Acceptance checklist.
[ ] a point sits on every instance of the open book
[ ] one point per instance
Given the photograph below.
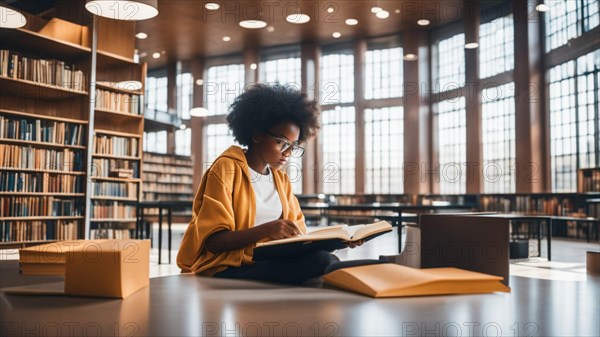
(393, 280)
(328, 238)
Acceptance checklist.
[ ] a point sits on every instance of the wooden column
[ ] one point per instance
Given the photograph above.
(197, 123)
(310, 55)
(417, 138)
(360, 49)
(171, 103)
(472, 93)
(529, 113)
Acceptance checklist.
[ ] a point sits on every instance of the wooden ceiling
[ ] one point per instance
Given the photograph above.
(184, 29)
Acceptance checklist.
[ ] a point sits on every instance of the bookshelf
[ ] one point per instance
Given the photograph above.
(70, 138)
(168, 177)
(588, 180)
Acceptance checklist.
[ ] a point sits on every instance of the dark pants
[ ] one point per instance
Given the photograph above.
(291, 271)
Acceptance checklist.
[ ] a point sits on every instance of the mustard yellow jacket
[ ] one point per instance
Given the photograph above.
(226, 201)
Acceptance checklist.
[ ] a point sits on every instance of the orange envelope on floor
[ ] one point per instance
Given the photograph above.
(99, 268)
(394, 280)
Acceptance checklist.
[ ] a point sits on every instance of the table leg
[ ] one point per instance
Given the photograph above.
(400, 232)
(169, 216)
(549, 244)
(160, 216)
(539, 238)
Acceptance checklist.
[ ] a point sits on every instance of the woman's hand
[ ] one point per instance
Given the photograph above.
(354, 244)
(279, 229)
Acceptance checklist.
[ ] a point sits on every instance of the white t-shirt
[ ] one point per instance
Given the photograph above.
(268, 204)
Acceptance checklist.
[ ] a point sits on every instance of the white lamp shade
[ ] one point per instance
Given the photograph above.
(129, 85)
(199, 112)
(10, 18)
(123, 9)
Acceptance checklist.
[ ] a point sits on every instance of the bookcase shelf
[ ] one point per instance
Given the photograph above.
(168, 178)
(30, 106)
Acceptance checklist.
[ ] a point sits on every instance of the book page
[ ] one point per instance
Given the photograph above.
(359, 232)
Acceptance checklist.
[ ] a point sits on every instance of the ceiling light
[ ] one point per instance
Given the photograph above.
(297, 18)
(330, 10)
(156, 55)
(270, 29)
(199, 81)
(211, 6)
(10, 18)
(351, 22)
(141, 35)
(423, 22)
(542, 8)
(397, 11)
(471, 45)
(376, 9)
(253, 66)
(182, 127)
(336, 35)
(199, 112)
(382, 14)
(123, 9)
(129, 85)
(410, 57)
(226, 38)
(253, 24)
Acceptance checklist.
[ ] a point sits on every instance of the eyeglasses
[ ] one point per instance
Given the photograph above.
(284, 145)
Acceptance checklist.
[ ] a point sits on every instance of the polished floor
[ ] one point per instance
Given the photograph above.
(554, 298)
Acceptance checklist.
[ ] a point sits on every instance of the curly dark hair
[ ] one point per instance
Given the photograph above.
(262, 106)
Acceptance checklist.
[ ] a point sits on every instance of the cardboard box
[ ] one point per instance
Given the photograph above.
(97, 268)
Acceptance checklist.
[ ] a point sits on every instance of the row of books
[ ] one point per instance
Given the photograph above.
(42, 131)
(39, 206)
(40, 182)
(168, 179)
(527, 204)
(149, 196)
(109, 233)
(52, 72)
(168, 160)
(590, 182)
(107, 167)
(38, 230)
(159, 168)
(28, 157)
(116, 146)
(594, 210)
(115, 101)
(163, 188)
(115, 189)
(113, 210)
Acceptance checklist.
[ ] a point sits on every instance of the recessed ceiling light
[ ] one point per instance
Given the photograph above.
(376, 9)
(156, 55)
(270, 29)
(382, 14)
(423, 22)
(330, 10)
(297, 18)
(10, 18)
(141, 35)
(471, 45)
(199, 81)
(410, 57)
(211, 6)
(226, 38)
(182, 127)
(336, 35)
(397, 11)
(542, 8)
(199, 112)
(253, 24)
(253, 66)
(351, 22)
